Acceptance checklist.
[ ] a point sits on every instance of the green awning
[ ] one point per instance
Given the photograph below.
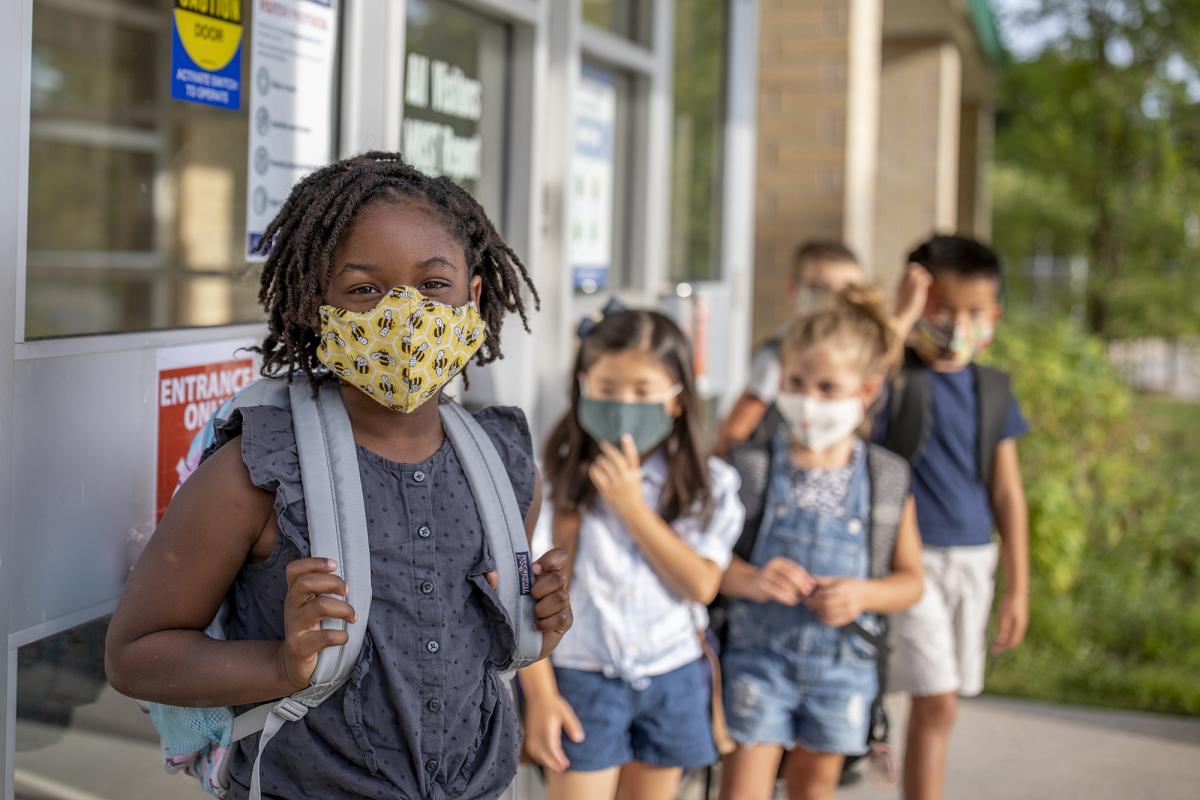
(983, 19)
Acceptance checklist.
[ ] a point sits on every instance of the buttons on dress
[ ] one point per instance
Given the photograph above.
(426, 587)
(424, 532)
(419, 476)
(431, 765)
(434, 705)
(432, 646)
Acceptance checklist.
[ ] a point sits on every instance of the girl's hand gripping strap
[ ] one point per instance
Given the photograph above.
(337, 529)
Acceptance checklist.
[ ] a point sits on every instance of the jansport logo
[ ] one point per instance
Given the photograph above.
(523, 573)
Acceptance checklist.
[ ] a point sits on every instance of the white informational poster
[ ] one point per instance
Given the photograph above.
(292, 51)
(592, 174)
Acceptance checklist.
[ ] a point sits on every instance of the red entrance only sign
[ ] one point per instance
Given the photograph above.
(187, 397)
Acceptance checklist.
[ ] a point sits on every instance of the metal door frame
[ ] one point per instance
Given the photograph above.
(362, 108)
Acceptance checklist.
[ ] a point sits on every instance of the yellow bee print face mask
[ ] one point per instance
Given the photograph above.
(402, 351)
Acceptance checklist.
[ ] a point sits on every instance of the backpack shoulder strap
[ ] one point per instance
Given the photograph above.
(262, 392)
(502, 524)
(910, 414)
(993, 388)
(337, 529)
(889, 476)
(336, 513)
(752, 460)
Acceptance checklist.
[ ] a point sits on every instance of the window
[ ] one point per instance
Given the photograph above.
(75, 736)
(600, 187)
(627, 18)
(697, 152)
(136, 201)
(456, 86)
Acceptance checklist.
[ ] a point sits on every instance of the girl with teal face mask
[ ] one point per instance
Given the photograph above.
(650, 522)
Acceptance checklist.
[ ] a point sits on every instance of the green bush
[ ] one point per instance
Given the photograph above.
(1114, 549)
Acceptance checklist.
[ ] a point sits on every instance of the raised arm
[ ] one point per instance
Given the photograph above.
(743, 418)
(617, 477)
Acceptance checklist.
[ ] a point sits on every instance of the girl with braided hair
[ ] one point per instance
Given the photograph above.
(381, 284)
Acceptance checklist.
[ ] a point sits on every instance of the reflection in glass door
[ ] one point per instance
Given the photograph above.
(136, 201)
(76, 738)
(456, 89)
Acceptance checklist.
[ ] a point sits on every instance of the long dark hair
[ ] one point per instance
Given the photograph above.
(570, 450)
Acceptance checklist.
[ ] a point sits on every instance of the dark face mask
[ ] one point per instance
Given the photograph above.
(607, 420)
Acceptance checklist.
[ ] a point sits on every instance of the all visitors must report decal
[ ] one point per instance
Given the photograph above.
(206, 52)
(192, 383)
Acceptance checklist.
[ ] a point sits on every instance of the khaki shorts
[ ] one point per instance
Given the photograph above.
(939, 646)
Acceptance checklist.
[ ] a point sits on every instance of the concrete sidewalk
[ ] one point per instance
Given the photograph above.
(1018, 750)
(1003, 749)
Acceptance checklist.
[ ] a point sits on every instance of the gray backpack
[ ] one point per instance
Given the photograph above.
(337, 529)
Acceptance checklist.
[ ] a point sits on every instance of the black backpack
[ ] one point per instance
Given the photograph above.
(910, 412)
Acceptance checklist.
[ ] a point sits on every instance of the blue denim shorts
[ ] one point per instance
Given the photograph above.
(820, 703)
(666, 724)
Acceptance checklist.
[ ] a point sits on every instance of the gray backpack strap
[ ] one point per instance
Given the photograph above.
(263, 392)
(889, 475)
(752, 460)
(337, 529)
(502, 524)
(336, 515)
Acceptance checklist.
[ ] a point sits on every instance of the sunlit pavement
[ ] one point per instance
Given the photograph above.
(1016, 749)
(1006, 749)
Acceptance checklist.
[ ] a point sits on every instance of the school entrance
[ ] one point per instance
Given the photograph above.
(146, 145)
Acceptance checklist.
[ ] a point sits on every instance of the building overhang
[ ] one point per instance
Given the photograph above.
(969, 25)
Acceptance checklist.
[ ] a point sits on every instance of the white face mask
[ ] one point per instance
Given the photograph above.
(818, 423)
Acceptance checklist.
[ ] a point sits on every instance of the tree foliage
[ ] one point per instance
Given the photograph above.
(1097, 156)
(1114, 549)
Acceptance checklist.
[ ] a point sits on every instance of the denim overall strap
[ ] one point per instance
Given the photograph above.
(775, 492)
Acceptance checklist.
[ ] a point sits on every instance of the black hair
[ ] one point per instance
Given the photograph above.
(960, 255)
(570, 450)
(301, 241)
(817, 250)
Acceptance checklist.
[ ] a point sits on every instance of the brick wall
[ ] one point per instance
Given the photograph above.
(917, 178)
(802, 99)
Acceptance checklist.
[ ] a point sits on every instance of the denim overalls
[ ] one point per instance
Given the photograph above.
(790, 679)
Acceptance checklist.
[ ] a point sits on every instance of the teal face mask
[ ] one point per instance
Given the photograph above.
(607, 420)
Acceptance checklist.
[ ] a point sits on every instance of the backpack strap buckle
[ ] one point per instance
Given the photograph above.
(290, 710)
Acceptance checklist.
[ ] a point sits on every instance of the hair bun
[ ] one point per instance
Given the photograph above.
(857, 311)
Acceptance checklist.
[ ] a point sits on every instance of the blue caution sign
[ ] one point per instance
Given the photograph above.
(206, 52)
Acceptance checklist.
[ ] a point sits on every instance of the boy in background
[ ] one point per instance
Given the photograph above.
(957, 423)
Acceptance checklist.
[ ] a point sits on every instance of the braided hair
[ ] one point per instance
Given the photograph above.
(301, 241)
